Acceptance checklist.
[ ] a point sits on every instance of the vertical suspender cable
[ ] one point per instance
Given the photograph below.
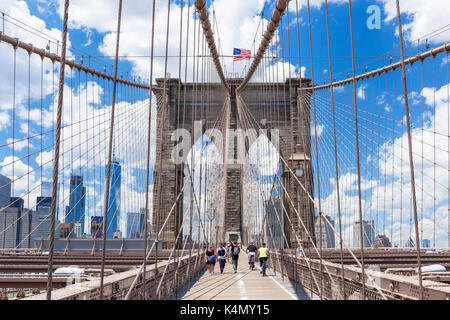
(56, 156)
(111, 137)
(314, 107)
(411, 161)
(335, 153)
(362, 230)
(147, 190)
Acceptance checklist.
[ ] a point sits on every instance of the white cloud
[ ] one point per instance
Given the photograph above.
(423, 17)
(314, 4)
(233, 28)
(362, 91)
(320, 128)
(18, 144)
(388, 199)
(19, 10)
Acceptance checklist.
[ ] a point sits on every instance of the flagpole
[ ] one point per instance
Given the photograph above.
(233, 69)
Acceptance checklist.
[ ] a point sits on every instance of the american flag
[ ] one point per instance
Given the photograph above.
(241, 54)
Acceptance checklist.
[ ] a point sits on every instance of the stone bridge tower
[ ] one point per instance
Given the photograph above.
(190, 102)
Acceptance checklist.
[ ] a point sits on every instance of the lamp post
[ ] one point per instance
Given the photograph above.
(211, 217)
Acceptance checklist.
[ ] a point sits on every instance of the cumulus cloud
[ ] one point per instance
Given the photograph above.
(24, 64)
(136, 30)
(422, 18)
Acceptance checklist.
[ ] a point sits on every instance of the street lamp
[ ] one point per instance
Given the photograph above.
(211, 217)
(299, 161)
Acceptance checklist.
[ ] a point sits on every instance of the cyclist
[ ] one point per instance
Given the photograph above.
(251, 251)
(263, 254)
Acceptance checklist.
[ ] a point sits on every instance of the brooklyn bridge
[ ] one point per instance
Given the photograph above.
(118, 173)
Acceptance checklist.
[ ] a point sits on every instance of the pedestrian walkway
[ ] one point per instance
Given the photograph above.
(244, 285)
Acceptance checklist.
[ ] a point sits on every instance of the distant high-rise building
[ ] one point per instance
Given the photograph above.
(273, 228)
(5, 191)
(368, 232)
(43, 209)
(46, 189)
(135, 225)
(67, 230)
(382, 241)
(18, 226)
(78, 230)
(426, 243)
(328, 239)
(97, 227)
(75, 211)
(43, 202)
(114, 198)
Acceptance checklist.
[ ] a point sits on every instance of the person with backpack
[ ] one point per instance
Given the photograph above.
(235, 250)
(210, 258)
(222, 255)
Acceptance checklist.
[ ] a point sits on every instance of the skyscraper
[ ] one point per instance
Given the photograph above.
(43, 209)
(426, 243)
(75, 211)
(97, 227)
(18, 226)
(368, 232)
(114, 198)
(134, 225)
(328, 239)
(46, 189)
(5, 191)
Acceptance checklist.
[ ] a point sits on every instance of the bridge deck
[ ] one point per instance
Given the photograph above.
(244, 285)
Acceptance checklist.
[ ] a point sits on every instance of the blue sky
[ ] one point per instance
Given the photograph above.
(92, 33)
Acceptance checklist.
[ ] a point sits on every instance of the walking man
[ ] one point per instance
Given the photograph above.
(235, 250)
(222, 255)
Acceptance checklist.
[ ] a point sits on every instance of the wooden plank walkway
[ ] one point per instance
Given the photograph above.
(244, 285)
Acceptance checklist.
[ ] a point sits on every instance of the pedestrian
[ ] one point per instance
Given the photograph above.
(222, 255)
(235, 250)
(210, 258)
(228, 247)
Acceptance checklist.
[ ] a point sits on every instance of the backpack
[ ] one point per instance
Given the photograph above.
(236, 250)
(211, 257)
